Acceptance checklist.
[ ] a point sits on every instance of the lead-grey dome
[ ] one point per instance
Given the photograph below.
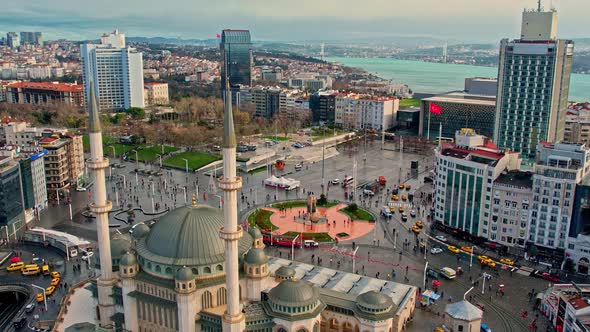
(120, 244)
(293, 293)
(184, 274)
(128, 259)
(285, 273)
(140, 231)
(189, 236)
(255, 233)
(256, 256)
(374, 301)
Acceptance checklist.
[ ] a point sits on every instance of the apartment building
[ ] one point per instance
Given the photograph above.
(567, 307)
(75, 156)
(577, 123)
(465, 174)
(57, 170)
(512, 195)
(12, 216)
(559, 168)
(156, 93)
(43, 93)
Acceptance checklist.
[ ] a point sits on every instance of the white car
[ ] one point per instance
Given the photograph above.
(441, 238)
(310, 244)
(386, 211)
(368, 192)
(435, 250)
(413, 213)
(335, 181)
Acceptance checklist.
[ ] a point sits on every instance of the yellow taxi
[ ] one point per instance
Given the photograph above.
(395, 197)
(419, 223)
(415, 229)
(454, 249)
(402, 186)
(49, 290)
(55, 274)
(15, 266)
(401, 209)
(54, 282)
(507, 261)
(467, 249)
(404, 198)
(490, 263)
(482, 258)
(39, 297)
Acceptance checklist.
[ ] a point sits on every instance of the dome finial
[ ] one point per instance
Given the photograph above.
(194, 200)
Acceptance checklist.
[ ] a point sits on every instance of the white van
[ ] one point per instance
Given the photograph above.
(310, 243)
(448, 273)
(348, 181)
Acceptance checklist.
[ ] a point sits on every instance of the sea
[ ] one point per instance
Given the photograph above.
(432, 77)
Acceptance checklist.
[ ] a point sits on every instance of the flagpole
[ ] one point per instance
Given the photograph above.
(439, 135)
(428, 133)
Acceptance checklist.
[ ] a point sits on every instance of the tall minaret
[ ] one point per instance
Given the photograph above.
(233, 319)
(100, 206)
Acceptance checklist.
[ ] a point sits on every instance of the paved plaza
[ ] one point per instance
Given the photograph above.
(333, 222)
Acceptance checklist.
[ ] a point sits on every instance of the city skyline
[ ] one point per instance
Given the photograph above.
(328, 20)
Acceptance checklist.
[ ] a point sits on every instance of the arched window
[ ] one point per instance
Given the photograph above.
(149, 265)
(302, 330)
(195, 271)
(221, 296)
(334, 324)
(168, 270)
(207, 269)
(207, 300)
(315, 327)
(124, 270)
(158, 268)
(219, 267)
(281, 330)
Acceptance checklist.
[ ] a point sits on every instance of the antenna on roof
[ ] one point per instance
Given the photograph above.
(539, 5)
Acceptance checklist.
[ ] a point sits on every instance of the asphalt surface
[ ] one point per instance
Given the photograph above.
(378, 253)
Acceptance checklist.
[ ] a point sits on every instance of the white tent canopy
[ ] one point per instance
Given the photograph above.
(282, 183)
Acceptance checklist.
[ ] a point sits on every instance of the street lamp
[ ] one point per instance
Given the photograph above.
(114, 153)
(124, 181)
(293, 247)
(425, 244)
(471, 257)
(136, 159)
(160, 156)
(186, 165)
(425, 268)
(44, 297)
(394, 240)
(483, 284)
(353, 258)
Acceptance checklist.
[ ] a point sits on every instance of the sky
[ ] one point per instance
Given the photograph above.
(288, 20)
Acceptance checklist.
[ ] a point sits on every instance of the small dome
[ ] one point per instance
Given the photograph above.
(285, 273)
(374, 300)
(255, 233)
(140, 231)
(184, 274)
(256, 256)
(128, 259)
(120, 244)
(292, 293)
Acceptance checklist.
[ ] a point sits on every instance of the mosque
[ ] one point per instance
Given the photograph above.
(196, 269)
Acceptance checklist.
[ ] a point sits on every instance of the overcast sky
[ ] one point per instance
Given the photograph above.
(281, 20)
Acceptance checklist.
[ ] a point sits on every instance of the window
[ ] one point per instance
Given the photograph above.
(460, 328)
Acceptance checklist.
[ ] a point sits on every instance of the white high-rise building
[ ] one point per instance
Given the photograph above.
(117, 71)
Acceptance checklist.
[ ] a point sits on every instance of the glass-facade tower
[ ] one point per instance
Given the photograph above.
(236, 53)
(11, 203)
(533, 86)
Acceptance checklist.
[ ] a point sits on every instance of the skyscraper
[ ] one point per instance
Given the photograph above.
(31, 38)
(12, 40)
(236, 52)
(533, 85)
(117, 72)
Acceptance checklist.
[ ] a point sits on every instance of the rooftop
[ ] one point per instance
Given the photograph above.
(516, 178)
(53, 86)
(463, 98)
(481, 155)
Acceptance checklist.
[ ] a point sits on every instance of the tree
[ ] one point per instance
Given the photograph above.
(136, 112)
(533, 251)
(322, 200)
(352, 207)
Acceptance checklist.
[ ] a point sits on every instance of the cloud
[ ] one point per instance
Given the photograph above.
(285, 19)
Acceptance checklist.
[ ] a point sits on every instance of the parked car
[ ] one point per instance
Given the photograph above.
(507, 261)
(368, 192)
(436, 250)
(467, 249)
(310, 243)
(413, 213)
(20, 323)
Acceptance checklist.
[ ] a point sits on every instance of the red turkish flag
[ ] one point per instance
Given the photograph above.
(218, 36)
(435, 109)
